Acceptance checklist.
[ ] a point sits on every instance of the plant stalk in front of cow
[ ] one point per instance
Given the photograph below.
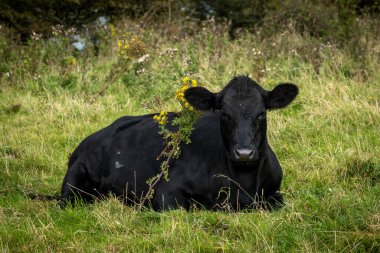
(185, 121)
(170, 151)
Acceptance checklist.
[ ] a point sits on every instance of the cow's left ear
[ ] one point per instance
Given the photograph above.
(201, 98)
(281, 96)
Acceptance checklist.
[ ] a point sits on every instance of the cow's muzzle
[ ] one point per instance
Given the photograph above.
(244, 154)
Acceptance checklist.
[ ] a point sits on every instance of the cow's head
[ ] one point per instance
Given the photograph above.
(243, 105)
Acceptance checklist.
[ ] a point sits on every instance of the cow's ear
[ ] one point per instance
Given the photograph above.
(281, 96)
(202, 99)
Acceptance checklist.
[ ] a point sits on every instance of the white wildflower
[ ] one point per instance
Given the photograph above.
(143, 58)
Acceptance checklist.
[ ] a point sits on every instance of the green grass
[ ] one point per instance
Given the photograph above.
(327, 142)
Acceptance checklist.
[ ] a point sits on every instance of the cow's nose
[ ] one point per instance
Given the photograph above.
(244, 154)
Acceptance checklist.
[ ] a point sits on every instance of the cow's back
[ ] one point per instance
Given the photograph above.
(123, 156)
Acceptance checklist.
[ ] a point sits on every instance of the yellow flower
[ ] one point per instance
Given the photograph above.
(130, 47)
(161, 119)
(187, 83)
(73, 61)
(70, 60)
(188, 106)
(185, 80)
(112, 29)
(179, 95)
(184, 88)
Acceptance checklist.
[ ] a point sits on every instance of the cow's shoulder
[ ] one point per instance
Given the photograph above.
(206, 149)
(206, 133)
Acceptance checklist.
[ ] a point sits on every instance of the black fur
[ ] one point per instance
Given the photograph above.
(228, 164)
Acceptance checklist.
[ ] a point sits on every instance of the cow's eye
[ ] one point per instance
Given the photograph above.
(261, 116)
(256, 123)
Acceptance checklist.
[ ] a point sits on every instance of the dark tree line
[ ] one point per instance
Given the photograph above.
(27, 16)
(39, 16)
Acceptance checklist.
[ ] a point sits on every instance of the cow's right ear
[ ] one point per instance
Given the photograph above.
(281, 96)
(202, 99)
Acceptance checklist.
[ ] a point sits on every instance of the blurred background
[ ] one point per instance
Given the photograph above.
(330, 20)
(67, 33)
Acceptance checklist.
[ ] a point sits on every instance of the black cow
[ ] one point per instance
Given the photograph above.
(228, 164)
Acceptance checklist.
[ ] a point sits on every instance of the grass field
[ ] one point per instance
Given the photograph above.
(327, 142)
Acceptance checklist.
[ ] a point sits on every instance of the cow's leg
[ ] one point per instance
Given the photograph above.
(274, 201)
(170, 200)
(76, 185)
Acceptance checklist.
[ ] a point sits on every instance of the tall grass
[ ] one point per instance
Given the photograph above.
(327, 141)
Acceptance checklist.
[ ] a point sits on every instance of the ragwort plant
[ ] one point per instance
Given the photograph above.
(129, 48)
(184, 121)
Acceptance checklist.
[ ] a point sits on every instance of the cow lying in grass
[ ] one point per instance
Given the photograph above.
(228, 164)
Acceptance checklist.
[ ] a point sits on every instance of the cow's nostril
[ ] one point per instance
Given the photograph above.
(244, 154)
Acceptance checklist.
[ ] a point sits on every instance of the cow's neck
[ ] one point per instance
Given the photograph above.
(249, 174)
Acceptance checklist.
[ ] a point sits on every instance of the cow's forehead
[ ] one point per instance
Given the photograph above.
(248, 104)
(242, 97)
(242, 87)
(242, 94)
